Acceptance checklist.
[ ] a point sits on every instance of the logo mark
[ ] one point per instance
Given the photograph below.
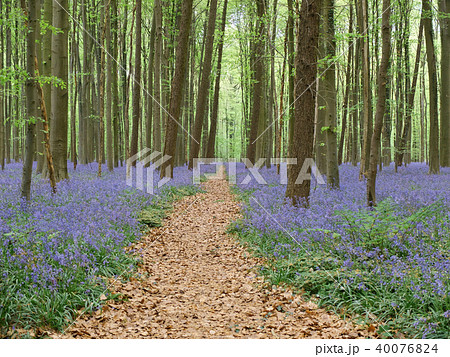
(145, 170)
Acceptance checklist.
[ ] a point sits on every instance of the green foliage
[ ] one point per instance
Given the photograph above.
(45, 26)
(55, 309)
(153, 215)
(52, 80)
(374, 228)
(16, 76)
(318, 270)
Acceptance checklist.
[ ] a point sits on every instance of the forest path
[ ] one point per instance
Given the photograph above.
(196, 281)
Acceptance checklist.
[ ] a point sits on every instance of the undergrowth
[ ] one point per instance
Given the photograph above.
(388, 266)
(49, 275)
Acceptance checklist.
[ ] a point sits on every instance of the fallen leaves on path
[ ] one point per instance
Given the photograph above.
(196, 281)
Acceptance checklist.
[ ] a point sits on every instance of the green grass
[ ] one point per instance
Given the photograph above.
(318, 272)
(21, 316)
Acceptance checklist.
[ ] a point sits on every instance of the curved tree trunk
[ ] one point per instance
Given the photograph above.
(381, 103)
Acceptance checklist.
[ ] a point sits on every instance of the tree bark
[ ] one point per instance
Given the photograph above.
(291, 59)
(444, 8)
(115, 85)
(203, 89)
(73, 117)
(31, 16)
(109, 92)
(367, 92)
(348, 73)
(157, 77)
(381, 103)
(149, 92)
(137, 84)
(58, 135)
(46, 132)
(8, 97)
(410, 103)
(85, 112)
(329, 85)
(2, 118)
(210, 152)
(177, 87)
(258, 48)
(355, 101)
(433, 90)
(306, 76)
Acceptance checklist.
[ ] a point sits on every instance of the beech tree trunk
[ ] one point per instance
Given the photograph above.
(31, 15)
(157, 77)
(115, 86)
(2, 118)
(381, 103)
(203, 89)
(410, 103)
(367, 92)
(59, 101)
(176, 94)
(149, 86)
(109, 93)
(329, 85)
(348, 78)
(258, 48)
(291, 60)
(306, 76)
(444, 8)
(433, 90)
(210, 151)
(137, 84)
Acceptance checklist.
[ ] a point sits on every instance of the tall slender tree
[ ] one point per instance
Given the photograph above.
(306, 76)
(258, 49)
(433, 89)
(31, 13)
(205, 82)
(2, 116)
(381, 102)
(444, 8)
(109, 92)
(177, 87)
(329, 84)
(157, 77)
(410, 103)
(348, 73)
(59, 94)
(137, 83)
(367, 91)
(215, 110)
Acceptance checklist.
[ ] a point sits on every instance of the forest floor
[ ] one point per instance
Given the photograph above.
(198, 281)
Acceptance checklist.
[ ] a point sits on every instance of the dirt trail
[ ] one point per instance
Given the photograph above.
(198, 282)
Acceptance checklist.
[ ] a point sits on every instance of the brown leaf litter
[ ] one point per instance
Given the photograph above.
(196, 281)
